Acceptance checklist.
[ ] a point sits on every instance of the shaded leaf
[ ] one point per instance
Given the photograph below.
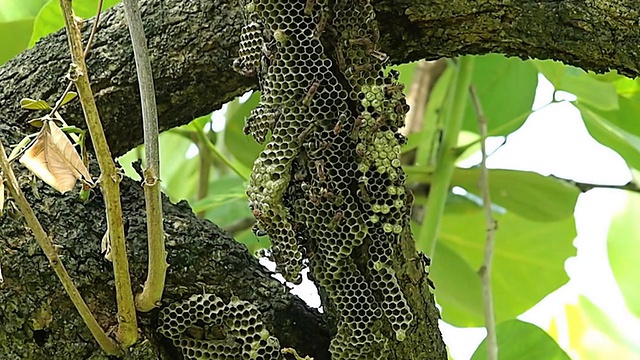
(221, 197)
(623, 249)
(522, 341)
(528, 263)
(32, 104)
(53, 159)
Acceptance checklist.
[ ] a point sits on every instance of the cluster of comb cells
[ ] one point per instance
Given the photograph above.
(204, 327)
(328, 188)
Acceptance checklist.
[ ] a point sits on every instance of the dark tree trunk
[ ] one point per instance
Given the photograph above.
(193, 45)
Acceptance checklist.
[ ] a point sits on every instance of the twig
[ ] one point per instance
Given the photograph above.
(49, 249)
(240, 225)
(94, 29)
(485, 269)
(217, 154)
(453, 115)
(151, 294)
(109, 182)
(204, 157)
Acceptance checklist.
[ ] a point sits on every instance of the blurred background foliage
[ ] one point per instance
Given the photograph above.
(208, 161)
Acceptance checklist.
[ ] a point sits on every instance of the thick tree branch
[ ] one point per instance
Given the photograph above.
(38, 321)
(193, 44)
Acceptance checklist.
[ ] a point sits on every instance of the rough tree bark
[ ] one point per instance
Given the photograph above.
(192, 45)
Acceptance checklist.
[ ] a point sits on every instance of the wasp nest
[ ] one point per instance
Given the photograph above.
(205, 327)
(328, 186)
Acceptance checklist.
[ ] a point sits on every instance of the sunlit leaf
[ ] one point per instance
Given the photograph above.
(528, 263)
(53, 159)
(178, 173)
(593, 335)
(32, 104)
(506, 89)
(522, 341)
(68, 97)
(612, 135)
(623, 249)
(528, 194)
(1, 195)
(589, 89)
(458, 288)
(50, 19)
(242, 146)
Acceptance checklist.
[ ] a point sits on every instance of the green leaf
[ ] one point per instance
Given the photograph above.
(11, 46)
(32, 104)
(528, 263)
(16, 18)
(528, 194)
(11, 10)
(458, 288)
(506, 88)
(222, 195)
(50, 20)
(623, 248)
(607, 326)
(178, 174)
(522, 341)
(589, 89)
(609, 134)
(243, 147)
(68, 97)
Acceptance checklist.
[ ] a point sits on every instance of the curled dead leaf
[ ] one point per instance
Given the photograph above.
(53, 158)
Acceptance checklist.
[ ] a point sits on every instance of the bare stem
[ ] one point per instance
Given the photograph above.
(94, 29)
(485, 269)
(109, 181)
(105, 342)
(454, 107)
(151, 294)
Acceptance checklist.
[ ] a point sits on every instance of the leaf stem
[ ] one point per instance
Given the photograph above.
(153, 288)
(215, 152)
(492, 225)
(453, 113)
(49, 249)
(109, 181)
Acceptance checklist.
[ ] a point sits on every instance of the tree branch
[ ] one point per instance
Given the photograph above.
(193, 45)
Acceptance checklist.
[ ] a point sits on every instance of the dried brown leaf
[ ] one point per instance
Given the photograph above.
(53, 159)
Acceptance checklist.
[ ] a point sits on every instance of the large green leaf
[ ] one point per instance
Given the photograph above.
(518, 340)
(528, 263)
(243, 147)
(607, 326)
(612, 135)
(623, 248)
(50, 18)
(16, 18)
(589, 89)
(458, 288)
(20, 31)
(528, 194)
(506, 88)
(178, 174)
